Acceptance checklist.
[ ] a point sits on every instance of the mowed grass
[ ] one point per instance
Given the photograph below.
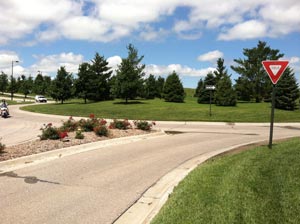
(255, 186)
(159, 110)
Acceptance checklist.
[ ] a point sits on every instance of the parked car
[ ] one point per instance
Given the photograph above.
(40, 99)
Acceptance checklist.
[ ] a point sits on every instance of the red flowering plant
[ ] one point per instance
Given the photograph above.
(70, 125)
(62, 134)
(49, 132)
(102, 122)
(101, 130)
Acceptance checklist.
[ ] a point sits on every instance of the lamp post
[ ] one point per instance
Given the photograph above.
(12, 77)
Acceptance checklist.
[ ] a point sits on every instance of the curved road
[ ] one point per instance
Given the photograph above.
(97, 186)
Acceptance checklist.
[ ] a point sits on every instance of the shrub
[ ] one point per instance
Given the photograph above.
(101, 130)
(79, 135)
(88, 124)
(118, 124)
(69, 125)
(144, 125)
(49, 132)
(2, 147)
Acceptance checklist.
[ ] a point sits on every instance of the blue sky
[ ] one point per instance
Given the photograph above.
(183, 35)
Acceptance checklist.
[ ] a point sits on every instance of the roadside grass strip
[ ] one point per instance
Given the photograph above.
(255, 186)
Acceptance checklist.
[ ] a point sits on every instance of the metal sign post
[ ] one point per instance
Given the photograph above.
(210, 88)
(274, 69)
(272, 117)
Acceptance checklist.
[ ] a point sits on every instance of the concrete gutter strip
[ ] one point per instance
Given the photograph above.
(148, 206)
(31, 160)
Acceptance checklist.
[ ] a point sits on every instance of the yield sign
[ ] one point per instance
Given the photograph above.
(275, 69)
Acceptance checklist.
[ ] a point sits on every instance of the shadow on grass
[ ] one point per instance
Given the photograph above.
(129, 103)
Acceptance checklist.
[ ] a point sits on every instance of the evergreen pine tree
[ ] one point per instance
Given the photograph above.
(204, 94)
(150, 87)
(99, 74)
(220, 71)
(199, 88)
(129, 75)
(287, 91)
(84, 82)
(160, 82)
(62, 85)
(39, 87)
(225, 94)
(173, 89)
(255, 83)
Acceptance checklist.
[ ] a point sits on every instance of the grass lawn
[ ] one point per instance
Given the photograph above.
(255, 186)
(160, 110)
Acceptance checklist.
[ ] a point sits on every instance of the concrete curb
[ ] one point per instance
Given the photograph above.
(34, 159)
(150, 203)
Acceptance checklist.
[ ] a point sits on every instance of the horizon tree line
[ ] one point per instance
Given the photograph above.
(95, 81)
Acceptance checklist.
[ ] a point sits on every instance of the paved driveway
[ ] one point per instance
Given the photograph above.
(23, 126)
(97, 186)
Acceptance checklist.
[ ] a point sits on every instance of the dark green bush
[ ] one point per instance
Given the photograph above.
(88, 124)
(101, 130)
(118, 124)
(49, 132)
(69, 125)
(2, 147)
(79, 135)
(144, 125)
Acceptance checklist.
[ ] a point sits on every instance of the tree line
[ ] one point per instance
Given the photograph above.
(253, 83)
(95, 81)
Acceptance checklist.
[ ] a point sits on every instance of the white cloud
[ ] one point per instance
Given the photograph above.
(187, 30)
(211, 56)
(21, 18)
(49, 65)
(247, 30)
(150, 34)
(295, 65)
(294, 60)
(113, 62)
(179, 69)
(108, 20)
(6, 58)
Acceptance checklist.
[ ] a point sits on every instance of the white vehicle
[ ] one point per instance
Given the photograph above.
(40, 99)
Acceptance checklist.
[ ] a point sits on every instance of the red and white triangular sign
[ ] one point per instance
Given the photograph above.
(275, 69)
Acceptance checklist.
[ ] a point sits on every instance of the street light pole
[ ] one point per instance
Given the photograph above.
(12, 77)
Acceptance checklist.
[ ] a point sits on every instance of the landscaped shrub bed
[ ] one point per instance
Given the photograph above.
(91, 124)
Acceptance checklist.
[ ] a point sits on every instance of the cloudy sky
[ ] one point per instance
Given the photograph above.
(182, 35)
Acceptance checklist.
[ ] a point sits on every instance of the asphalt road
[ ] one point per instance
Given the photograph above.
(97, 186)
